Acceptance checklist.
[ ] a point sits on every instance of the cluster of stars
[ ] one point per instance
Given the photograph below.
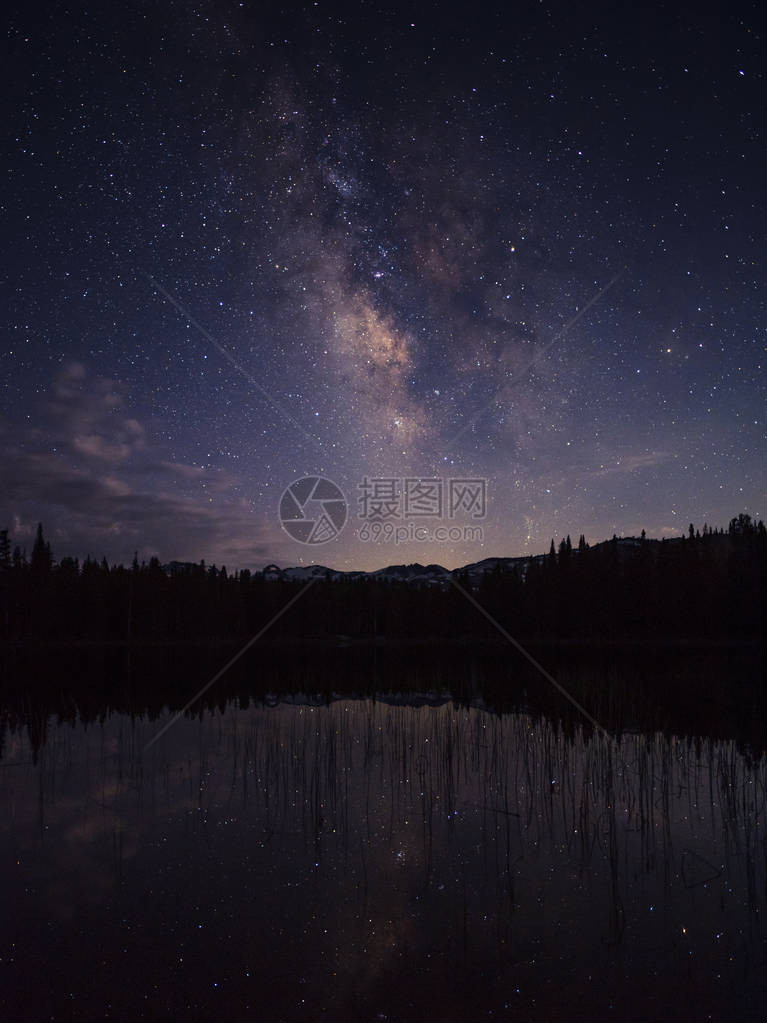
(388, 259)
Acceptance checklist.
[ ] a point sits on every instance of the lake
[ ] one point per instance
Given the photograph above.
(379, 856)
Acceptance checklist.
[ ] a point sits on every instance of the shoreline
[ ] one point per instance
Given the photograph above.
(393, 642)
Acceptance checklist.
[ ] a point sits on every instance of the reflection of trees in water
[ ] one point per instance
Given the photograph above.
(407, 783)
(688, 692)
(527, 789)
(496, 829)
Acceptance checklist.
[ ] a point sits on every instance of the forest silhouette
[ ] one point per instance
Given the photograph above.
(707, 586)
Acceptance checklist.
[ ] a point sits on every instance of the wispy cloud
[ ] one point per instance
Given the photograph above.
(88, 417)
(621, 464)
(95, 496)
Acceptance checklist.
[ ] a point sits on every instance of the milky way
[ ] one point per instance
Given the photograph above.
(523, 244)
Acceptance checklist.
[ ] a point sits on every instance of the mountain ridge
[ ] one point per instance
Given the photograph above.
(435, 574)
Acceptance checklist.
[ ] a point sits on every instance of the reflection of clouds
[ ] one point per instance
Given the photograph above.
(331, 842)
(88, 837)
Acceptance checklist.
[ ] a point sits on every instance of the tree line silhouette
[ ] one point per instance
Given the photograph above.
(703, 586)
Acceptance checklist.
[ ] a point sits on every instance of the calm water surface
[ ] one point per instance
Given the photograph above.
(374, 860)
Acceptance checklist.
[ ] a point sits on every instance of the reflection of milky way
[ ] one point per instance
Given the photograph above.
(372, 858)
(385, 231)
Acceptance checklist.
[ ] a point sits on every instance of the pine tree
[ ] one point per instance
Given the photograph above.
(5, 551)
(42, 559)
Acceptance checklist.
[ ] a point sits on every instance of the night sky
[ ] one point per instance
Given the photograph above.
(382, 226)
